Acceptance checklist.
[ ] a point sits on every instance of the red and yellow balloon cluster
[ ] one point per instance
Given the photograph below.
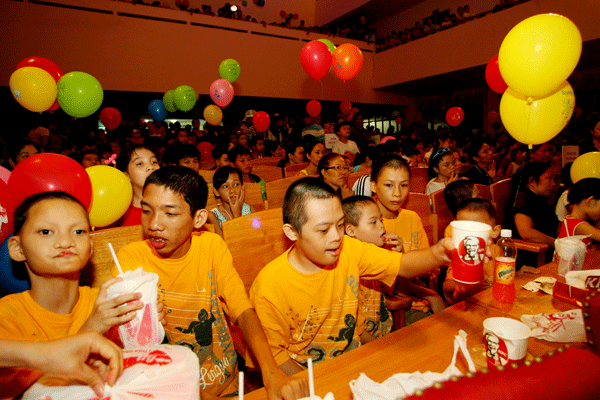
(38, 84)
(319, 56)
(535, 59)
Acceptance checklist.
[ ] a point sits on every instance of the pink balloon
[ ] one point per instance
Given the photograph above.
(221, 92)
(4, 174)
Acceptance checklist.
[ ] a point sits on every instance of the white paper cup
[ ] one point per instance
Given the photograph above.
(571, 254)
(470, 240)
(144, 329)
(506, 340)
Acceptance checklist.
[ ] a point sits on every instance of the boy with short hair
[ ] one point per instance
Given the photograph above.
(478, 210)
(198, 284)
(344, 146)
(307, 298)
(240, 158)
(188, 156)
(219, 154)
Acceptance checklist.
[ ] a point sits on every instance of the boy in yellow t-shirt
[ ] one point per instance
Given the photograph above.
(307, 298)
(478, 210)
(198, 284)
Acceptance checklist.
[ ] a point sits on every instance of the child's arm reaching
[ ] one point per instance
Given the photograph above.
(435, 300)
(109, 313)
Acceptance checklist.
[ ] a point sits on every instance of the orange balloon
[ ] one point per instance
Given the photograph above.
(347, 61)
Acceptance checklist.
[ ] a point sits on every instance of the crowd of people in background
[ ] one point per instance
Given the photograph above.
(355, 27)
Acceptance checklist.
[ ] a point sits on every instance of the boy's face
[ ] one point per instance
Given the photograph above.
(344, 131)
(222, 161)
(370, 227)
(320, 241)
(243, 140)
(260, 145)
(143, 162)
(167, 221)
(242, 162)
(89, 160)
(190, 162)
(55, 239)
(479, 216)
(392, 189)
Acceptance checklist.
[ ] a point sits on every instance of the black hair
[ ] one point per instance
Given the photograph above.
(478, 204)
(124, 156)
(238, 151)
(253, 140)
(222, 175)
(309, 145)
(187, 151)
(353, 207)
(325, 161)
(388, 161)
(21, 212)
(583, 189)
(183, 181)
(291, 148)
(456, 192)
(296, 196)
(592, 120)
(533, 169)
(435, 160)
(475, 146)
(217, 152)
(14, 148)
(83, 153)
(338, 126)
(513, 152)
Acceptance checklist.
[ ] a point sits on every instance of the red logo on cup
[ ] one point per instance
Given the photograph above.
(496, 351)
(155, 357)
(471, 250)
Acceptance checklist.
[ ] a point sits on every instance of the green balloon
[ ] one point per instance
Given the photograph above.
(185, 98)
(79, 94)
(229, 70)
(329, 44)
(169, 101)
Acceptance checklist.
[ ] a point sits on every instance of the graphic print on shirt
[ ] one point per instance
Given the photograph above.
(205, 332)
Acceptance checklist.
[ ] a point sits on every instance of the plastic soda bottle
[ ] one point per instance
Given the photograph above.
(504, 273)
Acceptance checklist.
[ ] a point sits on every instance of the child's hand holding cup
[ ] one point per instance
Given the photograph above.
(470, 240)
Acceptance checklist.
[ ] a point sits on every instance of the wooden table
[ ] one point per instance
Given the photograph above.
(428, 344)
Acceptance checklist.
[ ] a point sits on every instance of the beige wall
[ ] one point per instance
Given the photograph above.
(132, 54)
(473, 43)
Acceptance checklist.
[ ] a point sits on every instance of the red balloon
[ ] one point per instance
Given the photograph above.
(315, 58)
(205, 149)
(296, 16)
(283, 14)
(454, 116)
(347, 61)
(221, 92)
(398, 120)
(353, 110)
(110, 118)
(261, 121)
(345, 107)
(48, 172)
(313, 108)
(7, 208)
(493, 77)
(493, 116)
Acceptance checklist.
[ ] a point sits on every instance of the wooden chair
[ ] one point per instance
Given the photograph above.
(465, 167)
(484, 191)
(500, 194)
(255, 240)
(269, 161)
(353, 177)
(268, 173)
(276, 191)
(440, 208)
(419, 203)
(398, 304)
(418, 179)
(207, 174)
(98, 269)
(293, 170)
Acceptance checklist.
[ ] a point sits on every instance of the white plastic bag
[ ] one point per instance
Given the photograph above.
(162, 372)
(144, 329)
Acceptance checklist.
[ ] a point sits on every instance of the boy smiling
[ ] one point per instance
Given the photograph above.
(307, 298)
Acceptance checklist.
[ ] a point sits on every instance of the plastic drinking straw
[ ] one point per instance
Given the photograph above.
(114, 256)
(241, 385)
(311, 383)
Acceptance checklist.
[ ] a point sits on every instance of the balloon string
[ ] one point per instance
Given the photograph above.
(321, 89)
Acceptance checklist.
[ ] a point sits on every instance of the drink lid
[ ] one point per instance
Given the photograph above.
(506, 233)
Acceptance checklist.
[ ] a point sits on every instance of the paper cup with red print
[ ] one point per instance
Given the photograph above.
(144, 329)
(470, 239)
(506, 341)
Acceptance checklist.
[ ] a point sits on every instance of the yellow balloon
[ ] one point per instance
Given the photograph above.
(536, 120)
(539, 53)
(33, 88)
(213, 114)
(586, 166)
(111, 194)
